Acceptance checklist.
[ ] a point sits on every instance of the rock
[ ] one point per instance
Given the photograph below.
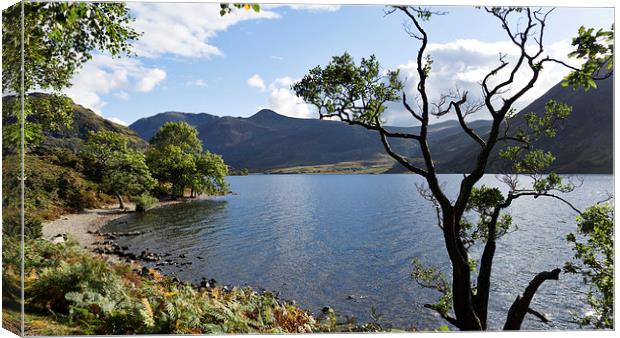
(199, 257)
(326, 309)
(60, 238)
(124, 248)
(182, 256)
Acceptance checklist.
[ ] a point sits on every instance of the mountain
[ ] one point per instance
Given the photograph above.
(584, 141)
(268, 141)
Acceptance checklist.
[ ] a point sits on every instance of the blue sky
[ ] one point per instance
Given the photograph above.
(192, 60)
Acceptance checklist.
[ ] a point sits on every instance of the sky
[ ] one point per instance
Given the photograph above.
(190, 59)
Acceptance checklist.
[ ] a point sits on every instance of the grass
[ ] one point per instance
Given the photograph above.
(351, 167)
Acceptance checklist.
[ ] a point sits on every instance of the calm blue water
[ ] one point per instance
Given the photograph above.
(318, 239)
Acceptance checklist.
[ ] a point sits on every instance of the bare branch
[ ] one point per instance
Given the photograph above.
(427, 194)
(537, 194)
(402, 160)
(521, 305)
(413, 113)
(447, 317)
(538, 315)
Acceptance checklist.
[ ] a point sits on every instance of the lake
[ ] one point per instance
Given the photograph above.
(319, 239)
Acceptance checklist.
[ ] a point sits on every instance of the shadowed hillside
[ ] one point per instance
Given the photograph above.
(268, 140)
(584, 141)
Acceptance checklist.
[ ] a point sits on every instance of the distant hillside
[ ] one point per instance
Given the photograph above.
(85, 120)
(584, 141)
(267, 140)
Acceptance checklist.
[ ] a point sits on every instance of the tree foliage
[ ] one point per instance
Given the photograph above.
(594, 260)
(597, 48)
(126, 173)
(176, 157)
(59, 37)
(118, 169)
(227, 8)
(100, 147)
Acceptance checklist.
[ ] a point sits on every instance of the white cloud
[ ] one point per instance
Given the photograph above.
(281, 99)
(197, 83)
(184, 29)
(316, 8)
(276, 57)
(117, 120)
(121, 95)
(285, 102)
(463, 64)
(104, 75)
(257, 82)
(150, 79)
(281, 82)
(286, 81)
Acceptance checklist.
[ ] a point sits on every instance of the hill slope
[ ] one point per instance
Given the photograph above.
(85, 120)
(584, 141)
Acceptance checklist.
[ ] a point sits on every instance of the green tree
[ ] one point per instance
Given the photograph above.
(176, 157)
(358, 94)
(179, 134)
(100, 147)
(597, 48)
(118, 169)
(126, 173)
(169, 164)
(210, 173)
(594, 260)
(59, 39)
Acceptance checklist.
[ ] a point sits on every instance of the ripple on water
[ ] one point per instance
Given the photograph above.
(320, 238)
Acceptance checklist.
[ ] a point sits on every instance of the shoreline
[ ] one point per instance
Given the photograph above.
(84, 227)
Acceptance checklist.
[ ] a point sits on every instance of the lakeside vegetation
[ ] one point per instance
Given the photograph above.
(71, 292)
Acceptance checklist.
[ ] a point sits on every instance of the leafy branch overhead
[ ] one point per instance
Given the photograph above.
(60, 38)
(227, 8)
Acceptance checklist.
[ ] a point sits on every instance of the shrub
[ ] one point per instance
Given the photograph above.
(144, 202)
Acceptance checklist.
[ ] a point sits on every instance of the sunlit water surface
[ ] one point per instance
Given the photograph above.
(319, 239)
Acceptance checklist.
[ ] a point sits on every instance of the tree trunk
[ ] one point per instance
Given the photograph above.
(120, 201)
(461, 286)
